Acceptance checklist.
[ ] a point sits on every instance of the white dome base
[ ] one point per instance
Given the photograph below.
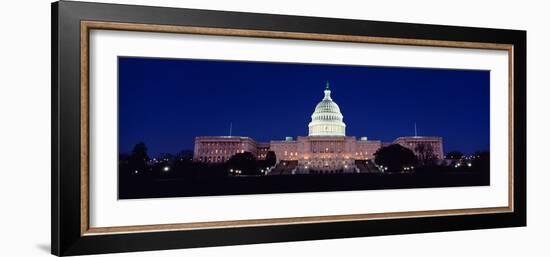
(327, 129)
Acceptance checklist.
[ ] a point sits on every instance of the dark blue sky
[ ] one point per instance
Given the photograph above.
(167, 102)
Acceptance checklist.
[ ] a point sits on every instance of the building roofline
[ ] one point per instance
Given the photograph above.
(225, 137)
(418, 137)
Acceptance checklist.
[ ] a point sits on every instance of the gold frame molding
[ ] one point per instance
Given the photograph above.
(86, 26)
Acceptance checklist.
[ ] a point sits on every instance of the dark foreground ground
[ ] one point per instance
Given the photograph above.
(154, 187)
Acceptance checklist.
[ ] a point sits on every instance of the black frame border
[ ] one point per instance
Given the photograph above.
(66, 235)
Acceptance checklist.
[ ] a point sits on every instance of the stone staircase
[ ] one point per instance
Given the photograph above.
(366, 166)
(284, 168)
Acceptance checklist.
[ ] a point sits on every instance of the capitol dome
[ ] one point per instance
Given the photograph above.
(327, 120)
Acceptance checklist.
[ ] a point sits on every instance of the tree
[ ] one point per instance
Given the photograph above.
(138, 159)
(184, 156)
(243, 162)
(166, 158)
(455, 155)
(482, 161)
(124, 168)
(183, 161)
(270, 159)
(395, 157)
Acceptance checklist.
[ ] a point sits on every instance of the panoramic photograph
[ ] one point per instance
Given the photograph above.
(189, 127)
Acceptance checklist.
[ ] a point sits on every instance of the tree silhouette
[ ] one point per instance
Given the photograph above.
(395, 157)
(167, 158)
(243, 162)
(482, 161)
(455, 155)
(270, 159)
(138, 159)
(184, 156)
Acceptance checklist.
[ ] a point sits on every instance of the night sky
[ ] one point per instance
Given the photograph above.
(167, 102)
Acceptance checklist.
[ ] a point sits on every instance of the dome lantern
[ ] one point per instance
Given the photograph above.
(327, 92)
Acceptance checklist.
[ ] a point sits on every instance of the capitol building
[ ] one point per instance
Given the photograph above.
(326, 149)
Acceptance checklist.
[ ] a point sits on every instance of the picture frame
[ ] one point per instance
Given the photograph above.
(71, 230)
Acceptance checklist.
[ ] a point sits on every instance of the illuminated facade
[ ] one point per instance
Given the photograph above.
(325, 154)
(263, 148)
(326, 149)
(220, 149)
(422, 145)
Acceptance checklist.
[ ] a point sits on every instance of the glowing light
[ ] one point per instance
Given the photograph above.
(166, 168)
